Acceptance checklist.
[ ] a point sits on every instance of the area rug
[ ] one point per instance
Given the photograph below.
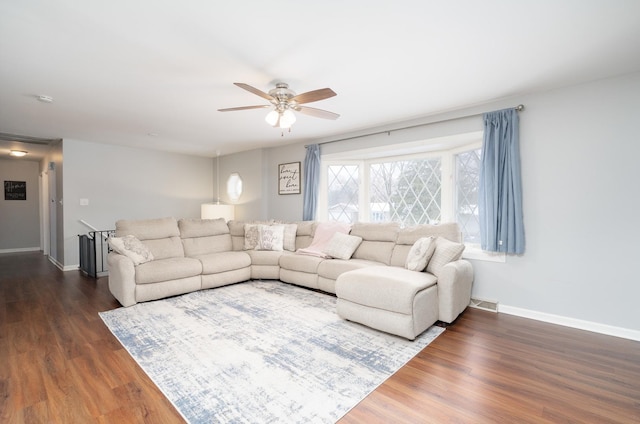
(259, 352)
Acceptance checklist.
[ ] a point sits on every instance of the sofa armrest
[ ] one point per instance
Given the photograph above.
(454, 289)
(122, 279)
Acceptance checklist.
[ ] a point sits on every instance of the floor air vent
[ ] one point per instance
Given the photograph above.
(486, 305)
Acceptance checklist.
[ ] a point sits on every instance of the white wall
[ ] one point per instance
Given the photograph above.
(19, 219)
(579, 148)
(128, 183)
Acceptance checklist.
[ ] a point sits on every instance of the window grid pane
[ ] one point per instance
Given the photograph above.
(406, 191)
(467, 181)
(344, 186)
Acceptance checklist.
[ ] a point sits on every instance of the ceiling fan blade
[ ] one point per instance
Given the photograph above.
(317, 113)
(230, 109)
(254, 91)
(313, 96)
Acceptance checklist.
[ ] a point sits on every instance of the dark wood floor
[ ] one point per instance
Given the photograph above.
(60, 364)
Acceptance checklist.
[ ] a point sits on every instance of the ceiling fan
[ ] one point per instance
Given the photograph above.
(284, 101)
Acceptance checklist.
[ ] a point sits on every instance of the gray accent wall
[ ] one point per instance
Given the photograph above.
(579, 152)
(20, 219)
(128, 183)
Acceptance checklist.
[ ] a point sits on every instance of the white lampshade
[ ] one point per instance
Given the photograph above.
(272, 117)
(287, 119)
(216, 210)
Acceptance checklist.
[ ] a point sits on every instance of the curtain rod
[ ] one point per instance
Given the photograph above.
(518, 108)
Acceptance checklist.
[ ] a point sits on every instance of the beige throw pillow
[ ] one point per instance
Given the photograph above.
(289, 242)
(132, 248)
(446, 251)
(420, 253)
(342, 246)
(251, 236)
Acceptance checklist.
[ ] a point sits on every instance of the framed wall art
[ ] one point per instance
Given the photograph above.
(15, 190)
(289, 178)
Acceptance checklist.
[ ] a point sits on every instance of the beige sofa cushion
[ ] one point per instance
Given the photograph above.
(370, 231)
(167, 269)
(333, 268)
(378, 240)
(164, 248)
(264, 257)
(383, 287)
(198, 246)
(215, 263)
(304, 233)
(302, 263)
(408, 236)
(202, 227)
(204, 236)
(148, 229)
(161, 235)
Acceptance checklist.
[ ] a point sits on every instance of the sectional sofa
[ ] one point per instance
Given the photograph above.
(168, 257)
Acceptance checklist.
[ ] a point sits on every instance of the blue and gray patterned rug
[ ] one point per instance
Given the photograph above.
(259, 352)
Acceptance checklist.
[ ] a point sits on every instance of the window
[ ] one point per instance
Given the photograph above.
(466, 194)
(419, 188)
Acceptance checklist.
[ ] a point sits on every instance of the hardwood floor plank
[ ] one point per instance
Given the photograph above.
(61, 364)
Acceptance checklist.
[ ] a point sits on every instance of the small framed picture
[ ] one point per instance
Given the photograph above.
(15, 190)
(289, 178)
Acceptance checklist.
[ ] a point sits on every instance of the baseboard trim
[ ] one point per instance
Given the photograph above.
(20, 249)
(595, 327)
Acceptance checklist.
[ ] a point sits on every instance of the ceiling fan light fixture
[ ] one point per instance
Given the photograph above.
(272, 118)
(287, 118)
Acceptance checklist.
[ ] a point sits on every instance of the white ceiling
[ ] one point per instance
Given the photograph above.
(152, 73)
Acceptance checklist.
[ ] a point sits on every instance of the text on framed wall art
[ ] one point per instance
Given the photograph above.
(15, 190)
(289, 178)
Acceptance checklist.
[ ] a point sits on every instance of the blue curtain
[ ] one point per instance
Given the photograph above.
(311, 182)
(500, 191)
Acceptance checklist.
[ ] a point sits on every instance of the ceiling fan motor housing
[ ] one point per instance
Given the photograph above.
(281, 95)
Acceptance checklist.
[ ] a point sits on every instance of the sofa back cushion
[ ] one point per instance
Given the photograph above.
(204, 236)
(236, 229)
(304, 233)
(160, 235)
(148, 229)
(408, 236)
(170, 247)
(378, 240)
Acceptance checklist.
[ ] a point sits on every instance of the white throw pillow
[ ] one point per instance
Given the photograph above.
(446, 251)
(342, 246)
(132, 248)
(420, 253)
(270, 237)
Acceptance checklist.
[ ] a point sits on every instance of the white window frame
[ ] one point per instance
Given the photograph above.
(397, 152)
